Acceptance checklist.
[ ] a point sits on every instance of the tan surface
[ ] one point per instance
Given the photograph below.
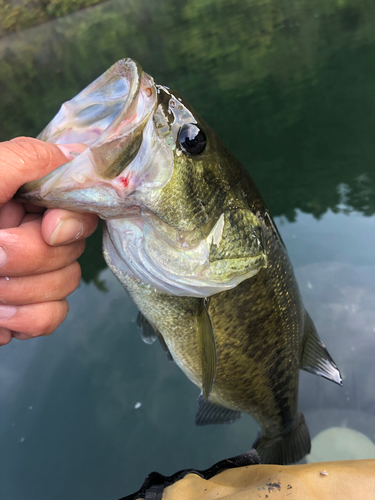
(344, 480)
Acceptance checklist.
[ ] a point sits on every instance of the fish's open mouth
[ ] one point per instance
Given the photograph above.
(109, 117)
(105, 110)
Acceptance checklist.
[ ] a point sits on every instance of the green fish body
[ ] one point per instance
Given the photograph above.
(189, 237)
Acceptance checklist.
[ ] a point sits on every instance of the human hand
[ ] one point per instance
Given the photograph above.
(38, 251)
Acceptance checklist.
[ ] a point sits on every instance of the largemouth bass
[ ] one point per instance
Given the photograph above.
(189, 237)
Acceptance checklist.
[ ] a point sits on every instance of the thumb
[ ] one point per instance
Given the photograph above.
(25, 159)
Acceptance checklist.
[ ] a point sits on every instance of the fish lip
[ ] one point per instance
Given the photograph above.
(80, 201)
(58, 190)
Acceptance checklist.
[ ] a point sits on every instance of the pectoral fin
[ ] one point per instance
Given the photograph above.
(207, 346)
(149, 334)
(315, 357)
(211, 413)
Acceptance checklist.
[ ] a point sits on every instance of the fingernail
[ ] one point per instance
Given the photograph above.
(7, 312)
(66, 231)
(3, 256)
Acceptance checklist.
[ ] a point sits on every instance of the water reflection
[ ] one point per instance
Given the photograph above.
(290, 89)
(336, 274)
(86, 437)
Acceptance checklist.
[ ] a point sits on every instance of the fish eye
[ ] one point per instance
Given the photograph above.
(192, 139)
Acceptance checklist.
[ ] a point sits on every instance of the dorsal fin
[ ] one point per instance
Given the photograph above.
(207, 347)
(211, 413)
(315, 357)
(149, 334)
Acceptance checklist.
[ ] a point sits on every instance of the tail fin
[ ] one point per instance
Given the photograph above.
(287, 448)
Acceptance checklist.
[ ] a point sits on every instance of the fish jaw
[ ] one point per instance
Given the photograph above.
(74, 186)
(77, 186)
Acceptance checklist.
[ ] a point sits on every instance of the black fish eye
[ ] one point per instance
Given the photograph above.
(192, 139)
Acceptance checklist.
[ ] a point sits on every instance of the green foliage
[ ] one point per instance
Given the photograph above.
(19, 16)
(16, 16)
(58, 8)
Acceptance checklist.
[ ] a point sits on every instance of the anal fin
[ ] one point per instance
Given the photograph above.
(211, 413)
(315, 357)
(149, 334)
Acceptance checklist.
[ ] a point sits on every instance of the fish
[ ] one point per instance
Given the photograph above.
(190, 238)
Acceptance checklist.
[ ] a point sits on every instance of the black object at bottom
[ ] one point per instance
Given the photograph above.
(155, 483)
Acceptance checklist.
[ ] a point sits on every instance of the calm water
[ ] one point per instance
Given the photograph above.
(290, 87)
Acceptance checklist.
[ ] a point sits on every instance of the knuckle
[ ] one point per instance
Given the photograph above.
(68, 279)
(61, 310)
(55, 314)
(5, 336)
(42, 326)
(76, 274)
